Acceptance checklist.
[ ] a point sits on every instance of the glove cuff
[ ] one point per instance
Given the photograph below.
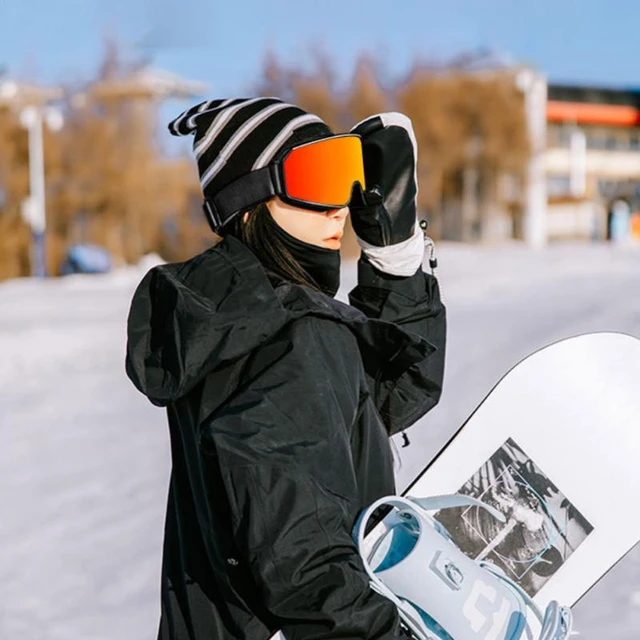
(401, 259)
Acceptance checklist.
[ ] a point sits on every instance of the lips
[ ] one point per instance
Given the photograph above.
(335, 236)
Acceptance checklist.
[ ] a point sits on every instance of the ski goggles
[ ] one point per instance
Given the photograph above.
(317, 175)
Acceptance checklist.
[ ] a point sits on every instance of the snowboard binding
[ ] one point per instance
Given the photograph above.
(442, 594)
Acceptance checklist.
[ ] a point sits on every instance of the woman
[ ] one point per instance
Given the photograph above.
(281, 399)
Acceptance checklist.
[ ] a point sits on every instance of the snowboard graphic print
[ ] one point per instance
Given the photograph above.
(542, 529)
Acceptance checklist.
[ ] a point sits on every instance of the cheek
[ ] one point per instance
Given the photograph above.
(307, 227)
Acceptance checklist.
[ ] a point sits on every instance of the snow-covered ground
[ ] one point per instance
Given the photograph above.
(85, 459)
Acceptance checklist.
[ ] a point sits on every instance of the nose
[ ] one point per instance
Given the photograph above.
(338, 214)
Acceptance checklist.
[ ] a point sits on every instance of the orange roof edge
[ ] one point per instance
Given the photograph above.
(587, 113)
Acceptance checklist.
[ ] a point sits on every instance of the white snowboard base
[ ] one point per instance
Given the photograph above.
(555, 446)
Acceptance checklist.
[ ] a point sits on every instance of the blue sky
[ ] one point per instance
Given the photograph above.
(223, 42)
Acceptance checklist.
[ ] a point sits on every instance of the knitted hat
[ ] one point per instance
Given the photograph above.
(236, 136)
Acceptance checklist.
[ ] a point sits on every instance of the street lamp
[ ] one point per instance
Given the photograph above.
(31, 104)
(32, 118)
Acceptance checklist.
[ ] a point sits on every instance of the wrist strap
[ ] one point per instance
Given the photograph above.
(401, 259)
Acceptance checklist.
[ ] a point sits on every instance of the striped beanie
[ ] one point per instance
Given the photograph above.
(236, 136)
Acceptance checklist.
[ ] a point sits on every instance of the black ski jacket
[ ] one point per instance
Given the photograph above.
(280, 401)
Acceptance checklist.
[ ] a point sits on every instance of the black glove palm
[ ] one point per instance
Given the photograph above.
(385, 213)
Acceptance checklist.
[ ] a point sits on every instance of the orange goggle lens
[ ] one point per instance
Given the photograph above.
(323, 172)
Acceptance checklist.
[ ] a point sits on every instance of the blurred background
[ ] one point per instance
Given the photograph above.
(527, 117)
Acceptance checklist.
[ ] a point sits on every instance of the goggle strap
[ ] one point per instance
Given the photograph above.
(243, 193)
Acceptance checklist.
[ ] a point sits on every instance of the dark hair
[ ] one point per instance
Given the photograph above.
(258, 235)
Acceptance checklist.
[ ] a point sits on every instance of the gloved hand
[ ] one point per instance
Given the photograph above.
(384, 216)
(386, 212)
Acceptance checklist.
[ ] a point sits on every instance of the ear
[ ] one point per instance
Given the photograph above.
(245, 217)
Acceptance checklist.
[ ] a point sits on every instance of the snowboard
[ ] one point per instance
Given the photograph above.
(555, 447)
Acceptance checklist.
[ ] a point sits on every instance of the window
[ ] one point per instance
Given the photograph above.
(558, 184)
(596, 140)
(611, 143)
(558, 136)
(606, 188)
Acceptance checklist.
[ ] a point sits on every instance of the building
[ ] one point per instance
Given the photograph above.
(582, 179)
(592, 162)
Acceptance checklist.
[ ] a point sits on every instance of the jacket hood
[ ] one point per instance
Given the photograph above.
(187, 319)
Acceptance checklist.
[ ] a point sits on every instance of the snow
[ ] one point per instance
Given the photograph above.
(85, 457)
